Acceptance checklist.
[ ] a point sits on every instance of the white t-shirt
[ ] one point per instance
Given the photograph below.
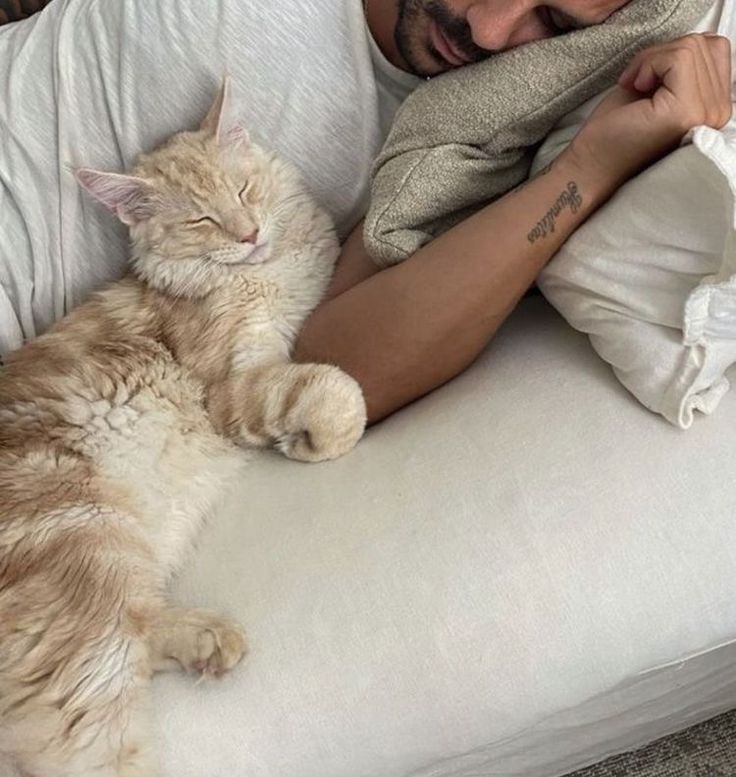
(95, 82)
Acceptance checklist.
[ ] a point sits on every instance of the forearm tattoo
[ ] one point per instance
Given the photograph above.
(14, 10)
(569, 199)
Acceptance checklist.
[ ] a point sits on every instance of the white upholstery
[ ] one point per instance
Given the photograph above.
(518, 575)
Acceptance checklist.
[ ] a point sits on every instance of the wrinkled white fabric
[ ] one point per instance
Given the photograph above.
(652, 276)
(514, 577)
(95, 82)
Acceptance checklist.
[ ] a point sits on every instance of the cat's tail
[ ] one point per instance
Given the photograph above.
(77, 655)
(75, 663)
(82, 715)
(95, 725)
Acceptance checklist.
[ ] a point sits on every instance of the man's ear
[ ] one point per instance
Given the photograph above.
(131, 199)
(219, 122)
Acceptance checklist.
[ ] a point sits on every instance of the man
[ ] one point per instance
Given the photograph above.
(146, 68)
(407, 330)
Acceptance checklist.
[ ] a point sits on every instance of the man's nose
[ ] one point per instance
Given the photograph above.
(497, 25)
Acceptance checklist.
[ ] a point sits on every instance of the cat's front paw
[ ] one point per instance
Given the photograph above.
(207, 643)
(328, 418)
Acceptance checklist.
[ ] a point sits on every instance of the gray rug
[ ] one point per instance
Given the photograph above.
(708, 750)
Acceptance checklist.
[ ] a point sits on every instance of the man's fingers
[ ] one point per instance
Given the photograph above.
(628, 77)
(710, 80)
(689, 78)
(720, 48)
(645, 57)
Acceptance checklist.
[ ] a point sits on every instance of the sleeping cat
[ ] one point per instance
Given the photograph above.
(117, 437)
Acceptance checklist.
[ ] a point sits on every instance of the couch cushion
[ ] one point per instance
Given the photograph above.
(515, 576)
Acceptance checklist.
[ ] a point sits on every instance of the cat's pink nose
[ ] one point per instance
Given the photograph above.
(251, 238)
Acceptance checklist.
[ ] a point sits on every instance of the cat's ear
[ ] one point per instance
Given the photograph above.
(220, 123)
(131, 199)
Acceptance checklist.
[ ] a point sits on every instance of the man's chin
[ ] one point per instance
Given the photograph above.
(431, 73)
(426, 66)
(420, 60)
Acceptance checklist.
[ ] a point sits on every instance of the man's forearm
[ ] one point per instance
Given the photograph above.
(408, 329)
(14, 10)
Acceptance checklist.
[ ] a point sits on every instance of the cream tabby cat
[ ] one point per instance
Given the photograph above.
(116, 439)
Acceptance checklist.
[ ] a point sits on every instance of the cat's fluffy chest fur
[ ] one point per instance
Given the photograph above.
(253, 320)
(150, 427)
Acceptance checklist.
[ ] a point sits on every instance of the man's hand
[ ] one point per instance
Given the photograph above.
(665, 92)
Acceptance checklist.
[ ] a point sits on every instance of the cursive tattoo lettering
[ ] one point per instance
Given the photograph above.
(569, 199)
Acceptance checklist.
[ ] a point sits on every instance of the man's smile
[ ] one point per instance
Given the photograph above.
(445, 48)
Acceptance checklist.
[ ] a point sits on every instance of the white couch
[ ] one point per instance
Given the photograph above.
(519, 575)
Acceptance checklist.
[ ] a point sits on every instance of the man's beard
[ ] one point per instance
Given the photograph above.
(454, 27)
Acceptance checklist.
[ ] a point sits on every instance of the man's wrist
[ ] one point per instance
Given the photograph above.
(597, 180)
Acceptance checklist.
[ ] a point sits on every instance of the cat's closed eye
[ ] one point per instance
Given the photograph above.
(203, 220)
(243, 193)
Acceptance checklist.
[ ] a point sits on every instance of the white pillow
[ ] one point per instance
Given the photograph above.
(651, 277)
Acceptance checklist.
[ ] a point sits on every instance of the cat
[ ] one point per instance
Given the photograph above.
(119, 431)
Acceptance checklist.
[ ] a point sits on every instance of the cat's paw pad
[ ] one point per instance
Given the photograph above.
(211, 646)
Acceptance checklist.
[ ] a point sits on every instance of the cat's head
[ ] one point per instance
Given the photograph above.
(201, 207)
